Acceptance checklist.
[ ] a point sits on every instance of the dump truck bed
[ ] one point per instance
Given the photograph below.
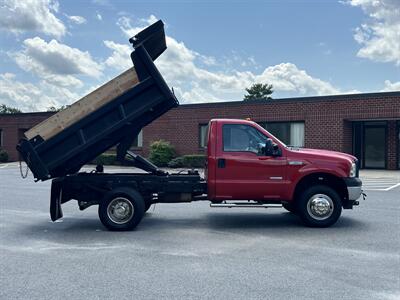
(85, 106)
(112, 115)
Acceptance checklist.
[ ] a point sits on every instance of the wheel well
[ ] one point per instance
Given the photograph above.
(330, 180)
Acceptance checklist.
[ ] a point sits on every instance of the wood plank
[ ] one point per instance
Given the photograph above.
(86, 105)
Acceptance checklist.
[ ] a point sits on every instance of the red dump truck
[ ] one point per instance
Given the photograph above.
(246, 166)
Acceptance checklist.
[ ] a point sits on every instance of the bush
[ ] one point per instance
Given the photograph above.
(188, 161)
(3, 155)
(194, 160)
(106, 159)
(176, 162)
(161, 153)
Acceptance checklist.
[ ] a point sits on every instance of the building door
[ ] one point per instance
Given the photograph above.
(374, 146)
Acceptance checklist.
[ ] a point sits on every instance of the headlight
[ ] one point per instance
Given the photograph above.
(353, 170)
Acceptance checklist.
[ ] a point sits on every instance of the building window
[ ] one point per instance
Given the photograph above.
(1, 138)
(138, 142)
(203, 130)
(291, 133)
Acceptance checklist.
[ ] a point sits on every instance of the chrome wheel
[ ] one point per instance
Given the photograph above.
(320, 207)
(120, 210)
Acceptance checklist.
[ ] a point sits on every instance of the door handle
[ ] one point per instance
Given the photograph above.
(221, 163)
(264, 157)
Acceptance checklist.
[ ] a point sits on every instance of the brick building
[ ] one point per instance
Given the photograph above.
(366, 125)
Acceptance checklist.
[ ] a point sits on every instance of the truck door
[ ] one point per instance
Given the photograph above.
(241, 172)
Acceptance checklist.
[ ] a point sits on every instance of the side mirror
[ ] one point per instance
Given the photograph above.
(270, 148)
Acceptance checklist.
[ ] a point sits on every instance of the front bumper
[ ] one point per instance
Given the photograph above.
(354, 188)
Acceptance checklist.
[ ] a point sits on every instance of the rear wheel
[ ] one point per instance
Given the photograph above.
(319, 206)
(121, 209)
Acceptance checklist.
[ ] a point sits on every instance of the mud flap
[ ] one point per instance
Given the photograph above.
(55, 200)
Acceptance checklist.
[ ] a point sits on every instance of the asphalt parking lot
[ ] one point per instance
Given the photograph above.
(189, 251)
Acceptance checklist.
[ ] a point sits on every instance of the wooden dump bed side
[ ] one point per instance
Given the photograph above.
(86, 105)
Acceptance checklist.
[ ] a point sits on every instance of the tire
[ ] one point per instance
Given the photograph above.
(121, 209)
(289, 207)
(319, 206)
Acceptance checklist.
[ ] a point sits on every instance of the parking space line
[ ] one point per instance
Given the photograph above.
(392, 187)
(380, 182)
(382, 189)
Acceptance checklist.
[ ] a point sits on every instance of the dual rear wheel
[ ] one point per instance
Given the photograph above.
(122, 209)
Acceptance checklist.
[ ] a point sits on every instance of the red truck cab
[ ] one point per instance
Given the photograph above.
(246, 162)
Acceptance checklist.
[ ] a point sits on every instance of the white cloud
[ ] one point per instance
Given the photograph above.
(150, 20)
(31, 15)
(126, 25)
(187, 70)
(77, 19)
(32, 97)
(391, 87)
(288, 77)
(57, 60)
(99, 17)
(102, 2)
(380, 36)
(120, 58)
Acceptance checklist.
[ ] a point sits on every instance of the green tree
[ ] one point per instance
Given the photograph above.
(55, 109)
(259, 91)
(4, 109)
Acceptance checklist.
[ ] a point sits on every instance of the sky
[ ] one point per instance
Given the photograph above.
(54, 52)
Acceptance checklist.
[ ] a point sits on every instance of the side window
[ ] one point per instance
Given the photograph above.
(238, 137)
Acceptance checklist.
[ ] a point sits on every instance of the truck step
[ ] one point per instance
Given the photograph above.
(246, 204)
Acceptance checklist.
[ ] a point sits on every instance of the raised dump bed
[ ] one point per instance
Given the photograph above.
(111, 115)
(83, 107)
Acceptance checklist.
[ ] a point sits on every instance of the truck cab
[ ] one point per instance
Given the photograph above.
(246, 162)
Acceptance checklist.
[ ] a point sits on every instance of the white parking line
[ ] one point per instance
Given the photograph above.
(11, 164)
(393, 187)
(384, 189)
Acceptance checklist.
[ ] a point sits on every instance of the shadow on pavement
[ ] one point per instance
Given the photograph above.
(86, 230)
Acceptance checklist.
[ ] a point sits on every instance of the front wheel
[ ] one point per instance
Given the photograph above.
(319, 206)
(121, 209)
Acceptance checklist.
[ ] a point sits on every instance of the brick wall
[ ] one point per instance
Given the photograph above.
(13, 126)
(327, 121)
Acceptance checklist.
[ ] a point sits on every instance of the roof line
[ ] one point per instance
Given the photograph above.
(28, 113)
(339, 97)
